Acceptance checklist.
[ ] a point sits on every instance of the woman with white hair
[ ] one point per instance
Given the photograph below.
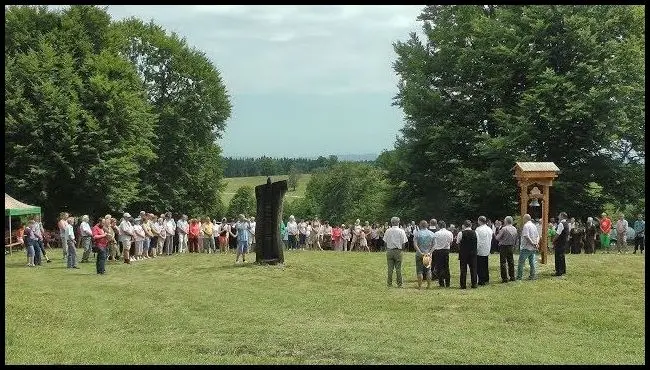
(356, 233)
(138, 238)
(345, 237)
(86, 237)
(590, 235)
(292, 232)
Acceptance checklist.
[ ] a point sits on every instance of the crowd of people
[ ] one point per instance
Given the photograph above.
(433, 242)
(150, 236)
(134, 239)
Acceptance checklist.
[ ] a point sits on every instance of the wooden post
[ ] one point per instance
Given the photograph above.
(524, 201)
(545, 210)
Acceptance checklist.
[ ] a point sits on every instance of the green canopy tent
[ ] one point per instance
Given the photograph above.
(17, 208)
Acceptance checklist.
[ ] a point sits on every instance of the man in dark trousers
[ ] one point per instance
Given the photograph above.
(560, 244)
(467, 254)
(507, 238)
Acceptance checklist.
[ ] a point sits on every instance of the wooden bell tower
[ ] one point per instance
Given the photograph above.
(530, 176)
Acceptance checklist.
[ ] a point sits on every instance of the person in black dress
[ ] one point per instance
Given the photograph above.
(590, 235)
(467, 255)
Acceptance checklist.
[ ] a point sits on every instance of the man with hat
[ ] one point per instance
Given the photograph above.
(126, 235)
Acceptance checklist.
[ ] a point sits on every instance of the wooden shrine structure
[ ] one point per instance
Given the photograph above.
(530, 176)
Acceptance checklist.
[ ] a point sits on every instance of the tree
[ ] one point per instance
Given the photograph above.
(493, 85)
(268, 166)
(243, 202)
(103, 116)
(78, 126)
(294, 176)
(187, 91)
(345, 192)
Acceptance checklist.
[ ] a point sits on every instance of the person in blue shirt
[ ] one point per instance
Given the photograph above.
(423, 243)
(243, 228)
(639, 234)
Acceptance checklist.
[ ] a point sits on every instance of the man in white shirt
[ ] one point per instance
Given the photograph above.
(441, 246)
(170, 227)
(483, 245)
(86, 234)
(71, 251)
(529, 247)
(395, 238)
(182, 228)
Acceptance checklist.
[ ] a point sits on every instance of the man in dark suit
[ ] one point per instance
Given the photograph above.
(560, 244)
(467, 254)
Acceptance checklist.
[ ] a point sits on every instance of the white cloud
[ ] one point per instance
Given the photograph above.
(321, 49)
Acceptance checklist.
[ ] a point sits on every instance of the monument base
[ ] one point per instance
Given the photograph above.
(273, 261)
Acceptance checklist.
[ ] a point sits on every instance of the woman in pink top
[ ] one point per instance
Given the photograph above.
(193, 237)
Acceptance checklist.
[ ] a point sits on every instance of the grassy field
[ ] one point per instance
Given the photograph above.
(320, 308)
(234, 183)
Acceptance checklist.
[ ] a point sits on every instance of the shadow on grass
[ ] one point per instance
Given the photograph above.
(237, 266)
(249, 265)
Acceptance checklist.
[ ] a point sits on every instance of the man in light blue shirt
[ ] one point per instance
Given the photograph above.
(243, 228)
(639, 234)
(423, 243)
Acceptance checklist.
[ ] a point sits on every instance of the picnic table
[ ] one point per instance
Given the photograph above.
(12, 242)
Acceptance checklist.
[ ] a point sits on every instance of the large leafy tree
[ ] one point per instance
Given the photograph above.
(104, 116)
(78, 127)
(187, 92)
(492, 85)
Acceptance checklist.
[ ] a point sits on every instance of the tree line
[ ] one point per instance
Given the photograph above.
(266, 166)
(105, 116)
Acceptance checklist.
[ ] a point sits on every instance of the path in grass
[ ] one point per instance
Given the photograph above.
(321, 308)
(234, 183)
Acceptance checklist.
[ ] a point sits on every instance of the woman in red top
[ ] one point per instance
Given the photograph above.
(336, 237)
(193, 237)
(224, 231)
(100, 240)
(605, 229)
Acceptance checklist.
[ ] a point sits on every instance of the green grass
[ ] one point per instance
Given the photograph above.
(321, 308)
(234, 183)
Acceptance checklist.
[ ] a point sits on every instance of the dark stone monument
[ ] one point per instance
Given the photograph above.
(268, 248)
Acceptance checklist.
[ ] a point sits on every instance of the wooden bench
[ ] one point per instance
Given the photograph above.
(12, 245)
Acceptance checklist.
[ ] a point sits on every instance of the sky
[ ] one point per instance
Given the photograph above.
(304, 80)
